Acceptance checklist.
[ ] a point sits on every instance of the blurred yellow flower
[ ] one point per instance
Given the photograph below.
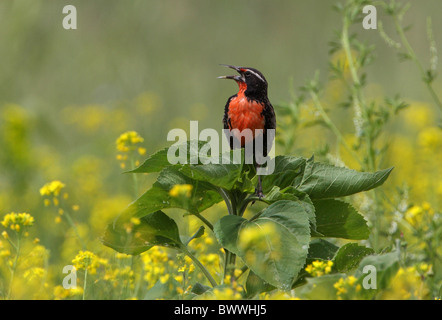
(35, 273)
(406, 284)
(87, 260)
(181, 190)
(127, 141)
(345, 287)
(15, 221)
(52, 188)
(318, 268)
(418, 115)
(419, 216)
(431, 138)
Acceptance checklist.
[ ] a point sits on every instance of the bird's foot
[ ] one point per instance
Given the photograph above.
(259, 193)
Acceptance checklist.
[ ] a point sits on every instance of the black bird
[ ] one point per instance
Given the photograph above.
(250, 109)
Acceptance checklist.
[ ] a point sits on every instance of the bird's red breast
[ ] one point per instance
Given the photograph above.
(245, 114)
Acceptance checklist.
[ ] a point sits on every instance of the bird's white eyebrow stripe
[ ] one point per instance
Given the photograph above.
(251, 71)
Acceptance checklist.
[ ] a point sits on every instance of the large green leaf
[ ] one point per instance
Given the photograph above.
(154, 163)
(155, 229)
(338, 219)
(290, 193)
(158, 197)
(321, 249)
(322, 181)
(349, 256)
(220, 175)
(255, 285)
(158, 161)
(274, 246)
(288, 172)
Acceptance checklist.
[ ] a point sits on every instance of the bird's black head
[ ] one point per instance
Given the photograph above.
(249, 79)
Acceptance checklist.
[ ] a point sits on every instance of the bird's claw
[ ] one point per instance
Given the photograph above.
(259, 193)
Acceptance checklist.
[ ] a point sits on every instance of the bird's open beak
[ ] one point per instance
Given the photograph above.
(238, 78)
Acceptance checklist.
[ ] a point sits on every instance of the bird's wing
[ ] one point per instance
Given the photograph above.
(226, 119)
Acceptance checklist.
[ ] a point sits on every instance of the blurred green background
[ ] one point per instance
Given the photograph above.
(150, 66)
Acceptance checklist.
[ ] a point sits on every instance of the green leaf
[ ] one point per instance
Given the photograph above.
(158, 161)
(290, 193)
(274, 246)
(220, 175)
(338, 219)
(158, 197)
(155, 229)
(349, 256)
(199, 288)
(288, 171)
(155, 163)
(322, 181)
(255, 285)
(321, 249)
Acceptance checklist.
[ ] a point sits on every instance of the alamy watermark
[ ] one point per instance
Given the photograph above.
(255, 144)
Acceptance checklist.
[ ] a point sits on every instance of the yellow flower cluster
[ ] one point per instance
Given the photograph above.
(155, 262)
(277, 295)
(127, 142)
(181, 190)
(318, 268)
(17, 222)
(431, 138)
(52, 189)
(121, 276)
(61, 293)
(34, 274)
(419, 216)
(408, 283)
(345, 287)
(87, 260)
(186, 270)
(227, 293)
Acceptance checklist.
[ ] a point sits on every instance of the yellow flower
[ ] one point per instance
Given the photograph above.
(35, 273)
(127, 141)
(318, 268)
(345, 287)
(61, 293)
(15, 221)
(431, 138)
(406, 284)
(52, 188)
(419, 115)
(181, 190)
(142, 150)
(87, 260)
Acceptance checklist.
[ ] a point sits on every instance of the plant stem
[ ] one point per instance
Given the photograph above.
(332, 126)
(359, 102)
(413, 56)
(207, 222)
(74, 227)
(134, 177)
(14, 266)
(85, 283)
(200, 266)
